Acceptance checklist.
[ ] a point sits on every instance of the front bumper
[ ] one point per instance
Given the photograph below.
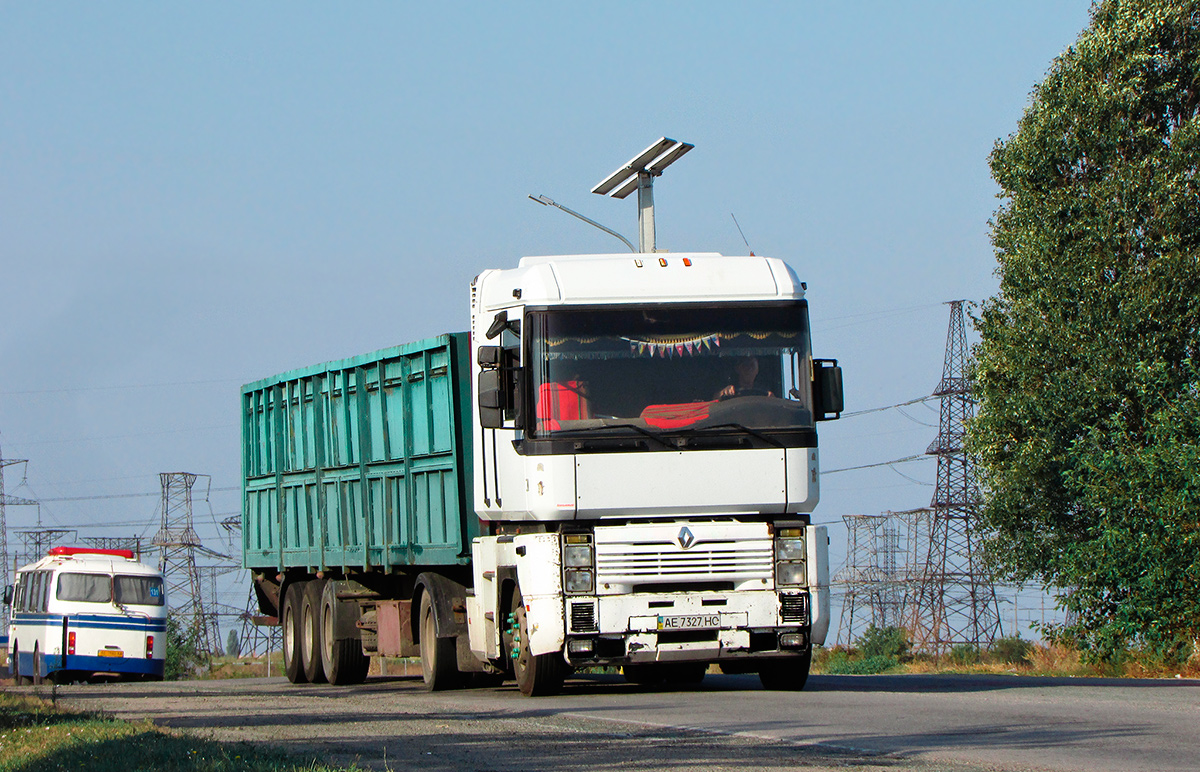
(687, 627)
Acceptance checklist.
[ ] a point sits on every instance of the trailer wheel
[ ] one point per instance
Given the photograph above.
(343, 660)
(786, 674)
(311, 642)
(293, 667)
(439, 662)
(537, 676)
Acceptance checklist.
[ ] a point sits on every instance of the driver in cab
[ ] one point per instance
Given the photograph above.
(745, 371)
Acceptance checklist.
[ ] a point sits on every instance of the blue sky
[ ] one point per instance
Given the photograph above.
(197, 196)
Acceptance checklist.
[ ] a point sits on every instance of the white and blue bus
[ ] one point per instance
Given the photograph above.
(82, 613)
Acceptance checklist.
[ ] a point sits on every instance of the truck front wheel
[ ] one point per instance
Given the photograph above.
(536, 676)
(439, 664)
(786, 674)
(289, 619)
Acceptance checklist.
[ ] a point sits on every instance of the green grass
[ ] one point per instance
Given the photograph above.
(35, 737)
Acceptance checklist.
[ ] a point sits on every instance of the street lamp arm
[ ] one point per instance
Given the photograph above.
(544, 201)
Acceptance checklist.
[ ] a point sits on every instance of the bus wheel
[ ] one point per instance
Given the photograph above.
(311, 641)
(439, 660)
(14, 659)
(37, 666)
(289, 619)
(536, 676)
(343, 659)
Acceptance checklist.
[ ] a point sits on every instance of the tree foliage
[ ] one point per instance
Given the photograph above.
(1087, 436)
(183, 656)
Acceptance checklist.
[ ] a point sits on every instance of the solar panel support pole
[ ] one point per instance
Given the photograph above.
(645, 212)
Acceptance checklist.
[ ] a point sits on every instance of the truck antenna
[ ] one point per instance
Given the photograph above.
(739, 227)
(545, 201)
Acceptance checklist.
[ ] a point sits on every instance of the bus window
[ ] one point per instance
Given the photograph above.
(138, 590)
(35, 586)
(43, 591)
(88, 588)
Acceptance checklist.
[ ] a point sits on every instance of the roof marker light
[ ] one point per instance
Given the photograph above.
(637, 262)
(662, 261)
(687, 261)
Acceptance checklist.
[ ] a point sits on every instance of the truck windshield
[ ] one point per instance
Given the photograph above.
(668, 370)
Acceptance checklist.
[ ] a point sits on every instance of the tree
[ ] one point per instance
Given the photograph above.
(183, 656)
(1087, 437)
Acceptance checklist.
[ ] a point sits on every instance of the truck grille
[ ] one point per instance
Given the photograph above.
(793, 608)
(725, 553)
(583, 617)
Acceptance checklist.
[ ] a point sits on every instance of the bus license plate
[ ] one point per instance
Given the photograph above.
(111, 653)
(690, 622)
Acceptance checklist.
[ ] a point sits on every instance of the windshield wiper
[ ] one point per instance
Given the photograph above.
(636, 428)
(741, 427)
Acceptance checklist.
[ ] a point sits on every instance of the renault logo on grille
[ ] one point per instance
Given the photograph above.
(686, 538)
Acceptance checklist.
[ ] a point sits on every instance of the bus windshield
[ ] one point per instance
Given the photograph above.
(667, 369)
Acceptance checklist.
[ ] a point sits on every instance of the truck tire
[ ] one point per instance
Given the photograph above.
(289, 619)
(786, 674)
(343, 660)
(439, 661)
(311, 641)
(536, 676)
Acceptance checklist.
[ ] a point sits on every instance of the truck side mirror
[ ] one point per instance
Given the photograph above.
(499, 325)
(8, 595)
(488, 357)
(491, 399)
(827, 390)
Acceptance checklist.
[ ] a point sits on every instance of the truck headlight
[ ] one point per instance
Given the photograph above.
(577, 555)
(579, 580)
(579, 563)
(791, 557)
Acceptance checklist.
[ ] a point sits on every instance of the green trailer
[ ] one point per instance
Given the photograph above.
(359, 471)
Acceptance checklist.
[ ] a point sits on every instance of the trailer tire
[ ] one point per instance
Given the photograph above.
(343, 660)
(536, 676)
(311, 640)
(289, 619)
(439, 660)
(786, 674)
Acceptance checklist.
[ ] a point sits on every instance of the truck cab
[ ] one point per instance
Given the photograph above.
(645, 464)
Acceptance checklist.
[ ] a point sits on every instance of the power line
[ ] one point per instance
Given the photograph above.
(926, 398)
(118, 387)
(98, 497)
(905, 460)
(128, 436)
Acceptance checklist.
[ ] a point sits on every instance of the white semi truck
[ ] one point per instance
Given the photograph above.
(615, 466)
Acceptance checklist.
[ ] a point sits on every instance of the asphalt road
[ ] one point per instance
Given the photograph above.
(918, 722)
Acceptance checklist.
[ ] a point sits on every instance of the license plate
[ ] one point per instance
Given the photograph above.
(111, 653)
(690, 622)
